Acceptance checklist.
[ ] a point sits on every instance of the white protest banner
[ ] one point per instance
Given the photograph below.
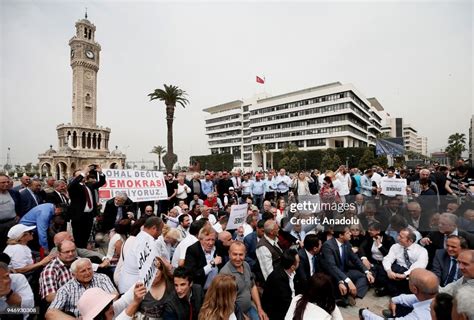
(237, 216)
(138, 185)
(146, 254)
(393, 187)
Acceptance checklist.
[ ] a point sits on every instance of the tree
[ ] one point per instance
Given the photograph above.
(336, 161)
(326, 162)
(171, 95)
(261, 148)
(367, 160)
(457, 145)
(159, 150)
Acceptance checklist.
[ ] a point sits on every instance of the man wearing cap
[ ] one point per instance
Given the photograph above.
(83, 204)
(69, 294)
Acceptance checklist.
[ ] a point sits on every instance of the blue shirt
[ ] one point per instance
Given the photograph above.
(357, 180)
(40, 216)
(257, 187)
(207, 186)
(366, 186)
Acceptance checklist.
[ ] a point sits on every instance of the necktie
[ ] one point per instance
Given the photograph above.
(119, 214)
(445, 239)
(407, 258)
(343, 258)
(452, 272)
(315, 267)
(298, 236)
(88, 197)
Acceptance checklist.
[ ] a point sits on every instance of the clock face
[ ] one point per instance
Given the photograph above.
(90, 54)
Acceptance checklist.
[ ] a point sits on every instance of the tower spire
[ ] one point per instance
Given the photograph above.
(86, 13)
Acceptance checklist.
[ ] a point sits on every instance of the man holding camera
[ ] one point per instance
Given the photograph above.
(83, 206)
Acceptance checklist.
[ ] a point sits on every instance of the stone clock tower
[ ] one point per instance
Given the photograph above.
(82, 142)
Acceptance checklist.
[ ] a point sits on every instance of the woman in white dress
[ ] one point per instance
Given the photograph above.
(317, 302)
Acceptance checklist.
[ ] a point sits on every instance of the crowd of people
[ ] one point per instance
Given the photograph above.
(70, 256)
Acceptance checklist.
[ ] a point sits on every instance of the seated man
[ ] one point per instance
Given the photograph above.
(116, 209)
(14, 290)
(309, 261)
(187, 298)
(57, 273)
(423, 286)
(445, 263)
(94, 256)
(68, 295)
(247, 290)
(466, 265)
(346, 269)
(447, 225)
(402, 258)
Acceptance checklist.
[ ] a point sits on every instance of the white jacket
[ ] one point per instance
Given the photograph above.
(312, 311)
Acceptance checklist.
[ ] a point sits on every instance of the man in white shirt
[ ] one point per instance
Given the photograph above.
(191, 238)
(344, 177)
(402, 258)
(206, 213)
(268, 250)
(130, 272)
(14, 290)
(423, 286)
(282, 183)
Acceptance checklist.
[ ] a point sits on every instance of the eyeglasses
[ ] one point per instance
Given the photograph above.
(149, 211)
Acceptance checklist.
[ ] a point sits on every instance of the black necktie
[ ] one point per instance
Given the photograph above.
(407, 258)
(343, 258)
(452, 272)
(315, 267)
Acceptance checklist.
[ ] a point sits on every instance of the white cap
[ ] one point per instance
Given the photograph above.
(17, 231)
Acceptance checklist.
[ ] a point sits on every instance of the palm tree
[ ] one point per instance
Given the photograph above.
(171, 95)
(159, 150)
(261, 148)
(457, 145)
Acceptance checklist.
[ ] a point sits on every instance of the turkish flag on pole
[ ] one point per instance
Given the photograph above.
(260, 80)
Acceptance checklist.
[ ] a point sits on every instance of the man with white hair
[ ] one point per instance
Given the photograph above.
(463, 308)
(68, 295)
(116, 209)
(49, 184)
(447, 225)
(268, 252)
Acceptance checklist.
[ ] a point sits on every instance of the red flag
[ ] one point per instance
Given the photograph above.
(260, 80)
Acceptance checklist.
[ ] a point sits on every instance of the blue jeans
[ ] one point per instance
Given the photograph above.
(252, 313)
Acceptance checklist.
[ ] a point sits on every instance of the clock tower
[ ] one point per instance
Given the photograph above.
(82, 142)
(85, 65)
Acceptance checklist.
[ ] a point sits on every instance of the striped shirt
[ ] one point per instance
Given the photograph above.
(455, 181)
(68, 295)
(53, 277)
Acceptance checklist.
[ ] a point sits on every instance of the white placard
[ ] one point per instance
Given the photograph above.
(393, 187)
(139, 185)
(238, 213)
(146, 254)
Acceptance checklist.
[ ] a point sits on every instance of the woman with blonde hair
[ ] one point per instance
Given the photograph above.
(167, 242)
(219, 303)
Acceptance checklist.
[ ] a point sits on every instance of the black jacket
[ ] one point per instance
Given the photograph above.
(195, 261)
(437, 242)
(441, 264)
(365, 249)
(78, 198)
(181, 309)
(276, 298)
(110, 213)
(303, 273)
(331, 260)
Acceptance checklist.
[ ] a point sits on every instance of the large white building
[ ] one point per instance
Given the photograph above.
(334, 115)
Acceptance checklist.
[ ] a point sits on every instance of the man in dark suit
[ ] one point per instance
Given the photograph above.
(309, 261)
(59, 195)
(445, 264)
(250, 242)
(447, 225)
(116, 209)
(30, 196)
(277, 294)
(372, 258)
(202, 259)
(346, 269)
(418, 219)
(83, 205)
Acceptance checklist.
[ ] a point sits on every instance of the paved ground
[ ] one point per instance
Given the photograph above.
(371, 301)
